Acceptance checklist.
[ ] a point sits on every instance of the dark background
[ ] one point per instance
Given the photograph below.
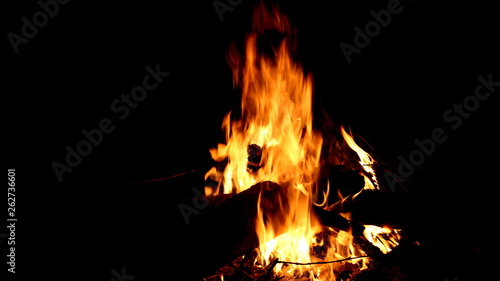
(395, 91)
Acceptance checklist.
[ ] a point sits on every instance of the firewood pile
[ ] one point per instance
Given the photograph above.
(223, 237)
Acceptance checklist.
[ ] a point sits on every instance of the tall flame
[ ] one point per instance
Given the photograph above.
(276, 120)
(276, 115)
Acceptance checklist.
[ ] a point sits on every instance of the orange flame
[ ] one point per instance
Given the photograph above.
(276, 115)
(365, 160)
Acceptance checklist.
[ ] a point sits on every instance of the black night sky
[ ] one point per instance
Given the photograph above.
(412, 77)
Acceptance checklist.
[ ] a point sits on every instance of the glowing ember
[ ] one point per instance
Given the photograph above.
(276, 125)
(384, 238)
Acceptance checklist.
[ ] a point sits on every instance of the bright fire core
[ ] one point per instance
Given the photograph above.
(276, 115)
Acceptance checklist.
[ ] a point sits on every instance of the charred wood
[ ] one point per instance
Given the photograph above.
(226, 230)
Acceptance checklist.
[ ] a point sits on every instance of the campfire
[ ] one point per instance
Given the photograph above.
(281, 195)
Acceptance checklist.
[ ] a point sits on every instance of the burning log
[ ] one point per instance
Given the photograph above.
(335, 220)
(254, 157)
(345, 194)
(226, 230)
(375, 207)
(342, 182)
